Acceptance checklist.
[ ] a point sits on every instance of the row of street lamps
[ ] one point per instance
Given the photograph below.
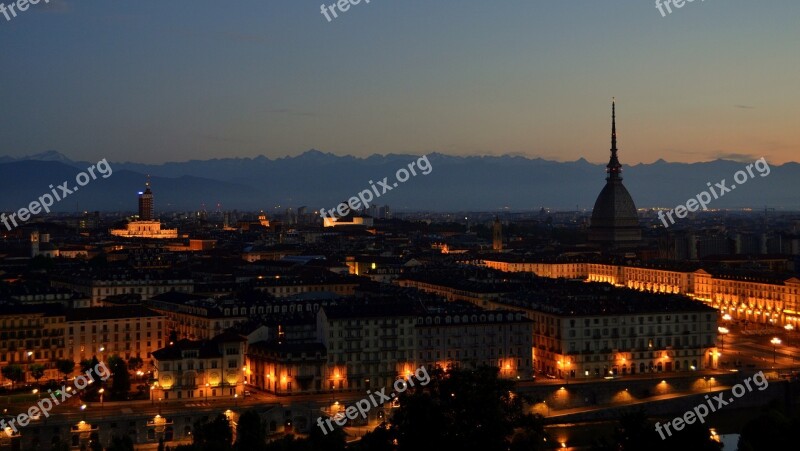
(775, 341)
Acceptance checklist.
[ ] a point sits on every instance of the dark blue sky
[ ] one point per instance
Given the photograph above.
(154, 81)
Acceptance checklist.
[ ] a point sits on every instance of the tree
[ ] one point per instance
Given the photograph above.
(771, 429)
(120, 443)
(461, 409)
(212, 436)
(634, 432)
(335, 440)
(94, 443)
(37, 371)
(251, 433)
(135, 364)
(65, 367)
(380, 439)
(121, 380)
(88, 365)
(14, 373)
(59, 445)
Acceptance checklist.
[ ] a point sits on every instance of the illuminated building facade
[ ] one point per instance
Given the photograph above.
(32, 335)
(502, 339)
(743, 295)
(128, 331)
(288, 368)
(200, 369)
(609, 336)
(146, 226)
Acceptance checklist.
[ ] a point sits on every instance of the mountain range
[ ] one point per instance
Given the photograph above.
(321, 180)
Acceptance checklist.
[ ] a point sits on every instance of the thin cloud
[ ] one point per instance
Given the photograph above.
(744, 107)
(738, 157)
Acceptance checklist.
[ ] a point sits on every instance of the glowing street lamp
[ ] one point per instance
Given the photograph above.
(723, 331)
(726, 317)
(789, 328)
(775, 342)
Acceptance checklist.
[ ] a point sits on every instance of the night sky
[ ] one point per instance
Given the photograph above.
(153, 81)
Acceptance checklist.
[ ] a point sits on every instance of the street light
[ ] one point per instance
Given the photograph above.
(789, 328)
(101, 391)
(775, 342)
(723, 331)
(726, 317)
(208, 386)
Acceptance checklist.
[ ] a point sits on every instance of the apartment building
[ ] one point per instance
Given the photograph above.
(469, 338)
(32, 334)
(283, 286)
(201, 369)
(197, 317)
(363, 344)
(126, 331)
(369, 345)
(99, 287)
(285, 368)
(619, 332)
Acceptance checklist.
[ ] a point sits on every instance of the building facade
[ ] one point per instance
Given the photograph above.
(745, 296)
(200, 369)
(129, 331)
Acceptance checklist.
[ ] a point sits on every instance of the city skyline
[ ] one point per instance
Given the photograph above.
(376, 225)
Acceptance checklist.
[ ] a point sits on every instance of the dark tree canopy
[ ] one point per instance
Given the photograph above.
(459, 409)
(215, 435)
(251, 433)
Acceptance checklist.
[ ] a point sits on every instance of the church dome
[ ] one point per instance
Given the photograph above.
(614, 218)
(614, 207)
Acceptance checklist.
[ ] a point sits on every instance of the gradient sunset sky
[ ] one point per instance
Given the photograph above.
(153, 81)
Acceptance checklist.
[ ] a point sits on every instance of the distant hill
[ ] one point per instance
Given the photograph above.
(321, 180)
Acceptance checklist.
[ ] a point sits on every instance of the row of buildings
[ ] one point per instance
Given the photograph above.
(590, 330)
(44, 333)
(767, 299)
(346, 344)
